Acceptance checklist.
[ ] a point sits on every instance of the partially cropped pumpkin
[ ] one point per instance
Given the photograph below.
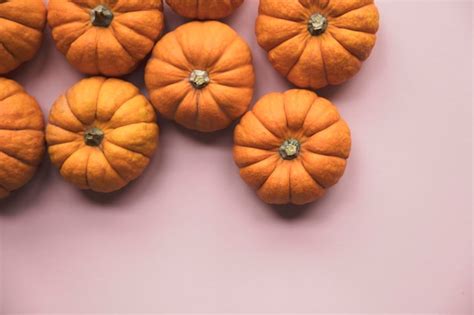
(102, 134)
(204, 9)
(21, 31)
(21, 137)
(108, 37)
(292, 147)
(315, 43)
(201, 75)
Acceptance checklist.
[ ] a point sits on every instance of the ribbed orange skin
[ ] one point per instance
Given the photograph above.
(317, 61)
(325, 140)
(115, 50)
(21, 32)
(124, 115)
(211, 46)
(204, 9)
(21, 137)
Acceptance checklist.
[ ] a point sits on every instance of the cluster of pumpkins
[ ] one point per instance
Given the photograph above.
(102, 132)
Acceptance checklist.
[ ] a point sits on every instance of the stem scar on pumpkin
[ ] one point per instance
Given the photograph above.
(290, 149)
(199, 79)
(93, 137)
(317, 24)
(101, 16)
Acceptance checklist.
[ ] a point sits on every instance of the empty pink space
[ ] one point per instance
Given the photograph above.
(395, 236)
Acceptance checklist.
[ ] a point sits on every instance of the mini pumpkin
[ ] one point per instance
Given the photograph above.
(21, 137)
(204, 9)
(101, 134)
(201, 75)
(292, 147)
(315, 43)
(21, 31)
(108, 37)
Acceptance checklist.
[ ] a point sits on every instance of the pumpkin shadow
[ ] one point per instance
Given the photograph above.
(223, 138)
(17, 202)
(12, 206)
(319, 210)
(112, 199)
(107, 198)
(331, 91)
(173, 20)
(137, 76)
(291, 212)
(288, 212)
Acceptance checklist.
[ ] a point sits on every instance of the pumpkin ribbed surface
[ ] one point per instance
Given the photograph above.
(21, 32)
(101, 134)
(315, 43)
(292, 147)
(201, 75)
(105, 37)
(21, 136)
(204, 10)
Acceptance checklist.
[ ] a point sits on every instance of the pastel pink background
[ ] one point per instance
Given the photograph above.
(189, 236)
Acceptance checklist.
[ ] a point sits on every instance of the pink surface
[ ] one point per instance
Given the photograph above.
(189, 236)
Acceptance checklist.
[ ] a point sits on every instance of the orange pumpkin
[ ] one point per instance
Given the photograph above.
(21, 137)
(21, 31)
(291, 147)
(315, 43)
(204, 9)
(101, 134)
(201, 75)
(108, 37)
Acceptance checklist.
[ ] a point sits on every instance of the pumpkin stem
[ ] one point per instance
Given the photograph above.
(93, 137)
(290, 149)
(199, 79)
(101, 16)
(317, 24)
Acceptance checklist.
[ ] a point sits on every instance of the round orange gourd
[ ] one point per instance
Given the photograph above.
(21, 137)
(101, 134)
(291, 147)
(315, 43)
(21, 31)
(201, 75)
(204, 9)
(108, 37)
